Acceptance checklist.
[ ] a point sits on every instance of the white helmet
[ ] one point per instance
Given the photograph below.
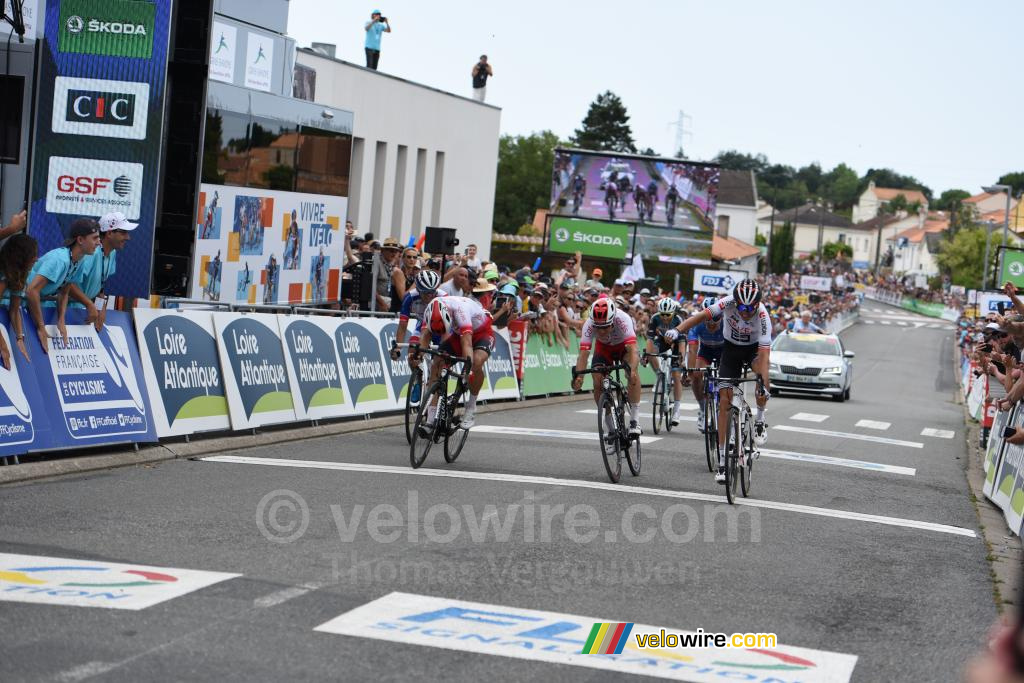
(427, 281)
(667, 306)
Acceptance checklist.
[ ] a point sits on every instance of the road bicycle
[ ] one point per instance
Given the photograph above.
(448, 416)
(710, 409)
(740, 451)
(413, 393)
(577, 201)
(663, 396)
(612, 427)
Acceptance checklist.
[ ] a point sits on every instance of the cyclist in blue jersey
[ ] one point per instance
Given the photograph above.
(704, 347)
(666, 319)
(413, 305)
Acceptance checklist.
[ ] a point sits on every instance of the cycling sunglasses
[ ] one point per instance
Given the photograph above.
(746, 308)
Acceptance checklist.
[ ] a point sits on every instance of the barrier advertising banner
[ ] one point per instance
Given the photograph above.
(597, 239)
(254, 369)
(20, 416)
(182, 371)
(993, 451)
(717, 281)
(267, 246)
(988, 302)
(547, 368)
(318, 387)
(362, 363)
(817, 284)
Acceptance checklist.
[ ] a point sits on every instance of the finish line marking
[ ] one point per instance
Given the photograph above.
(809, 417)
(848, 435)
(938, 433)
(595, 485)
(838, 462)
(645, 416)
(551, 433)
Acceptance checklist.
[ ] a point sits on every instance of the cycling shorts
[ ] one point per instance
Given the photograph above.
(608, 354)
(733, 358)
(711, 354)
(483, 340)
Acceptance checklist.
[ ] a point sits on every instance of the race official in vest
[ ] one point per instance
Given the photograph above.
(51, 275)
(89, 289)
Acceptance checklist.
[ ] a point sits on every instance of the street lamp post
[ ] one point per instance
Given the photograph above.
(990, 226)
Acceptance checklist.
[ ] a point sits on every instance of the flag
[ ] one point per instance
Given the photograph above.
(635, 270)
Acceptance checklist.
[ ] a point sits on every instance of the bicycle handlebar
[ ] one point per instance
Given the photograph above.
(600, 369)
(446, 356)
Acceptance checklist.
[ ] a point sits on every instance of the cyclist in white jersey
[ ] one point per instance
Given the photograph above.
(748, 338)
(613, 337)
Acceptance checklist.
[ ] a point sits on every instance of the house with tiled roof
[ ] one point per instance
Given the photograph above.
(872, 199)
(914, 249)
(989, 202)
(736, 212)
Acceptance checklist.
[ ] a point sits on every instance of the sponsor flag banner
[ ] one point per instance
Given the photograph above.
(98, 127)
(501, 372)
(557, 638)
(817, 284)
(267, 246)
(259, 61)
(717, 281)
(254, 369)
(314, 369)
(182, 371)
(597, 239)
(91, 382)
(362, 364)
(1011, 268)
(88, 583)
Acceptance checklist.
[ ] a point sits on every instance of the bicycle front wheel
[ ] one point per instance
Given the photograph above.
(667, 401)
(658, 413)
(609, 430)
(412, 408)
(747, 467)
(454, 441)
(423, 437)
(711, 433)
(732, 458)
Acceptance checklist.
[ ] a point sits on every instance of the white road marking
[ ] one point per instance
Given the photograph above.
(548, 433)
(848, 435)
(879, 310)
(809, 417)
(901, 323)
(838, 462)
(285, 594)
(558, 638)
(869, 322)
(643, 415)
(872, 424)
(594, 485)
(86, 671)
(886, 322)
(938, 433)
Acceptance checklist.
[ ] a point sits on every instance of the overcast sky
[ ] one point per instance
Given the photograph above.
(925, 88)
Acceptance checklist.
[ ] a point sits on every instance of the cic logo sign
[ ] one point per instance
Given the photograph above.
(93, 106)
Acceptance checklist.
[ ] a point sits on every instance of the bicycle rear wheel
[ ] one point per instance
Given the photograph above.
(711, 432)
(412, 408)
(420, 446)
(748, 455)
(611, 442)
(454, 441)
(658, 414)
(667, 402)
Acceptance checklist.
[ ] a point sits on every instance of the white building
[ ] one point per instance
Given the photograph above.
(737, 205)
(874, 197)
(420, 156)
(990, 203)
(914, 249)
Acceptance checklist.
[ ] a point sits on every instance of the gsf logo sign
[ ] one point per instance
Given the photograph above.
(94, 106)
(93, 187)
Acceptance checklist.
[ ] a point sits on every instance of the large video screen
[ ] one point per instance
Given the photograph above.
(667, 193)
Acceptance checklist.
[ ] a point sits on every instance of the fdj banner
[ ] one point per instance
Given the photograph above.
(255, 375)
(988, 302)
(1012, 267)
(591, 238)
(717, 281)
(182, 371)
(99, 124)
(819, 284)
(318, 387)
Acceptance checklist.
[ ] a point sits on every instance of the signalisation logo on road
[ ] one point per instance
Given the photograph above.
(592, 238)
(560, 638)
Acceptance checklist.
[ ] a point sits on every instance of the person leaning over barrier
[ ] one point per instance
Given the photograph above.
(16, 258)
(115, 231)
(52, 273)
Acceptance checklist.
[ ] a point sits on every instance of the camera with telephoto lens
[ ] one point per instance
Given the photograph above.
(382, 20)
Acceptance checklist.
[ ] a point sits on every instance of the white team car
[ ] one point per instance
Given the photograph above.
(811, 364)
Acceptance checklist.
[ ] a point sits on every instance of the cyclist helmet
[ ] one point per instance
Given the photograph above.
(747, 293)
(708, 302)
(667, 306)
(427, 281)
(439, 316)
(602, 312)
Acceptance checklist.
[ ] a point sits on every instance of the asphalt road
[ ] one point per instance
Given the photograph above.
(836, 554)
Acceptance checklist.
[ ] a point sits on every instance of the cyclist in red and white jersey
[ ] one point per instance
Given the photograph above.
(747, 329)
(464, 328)
(610, 331)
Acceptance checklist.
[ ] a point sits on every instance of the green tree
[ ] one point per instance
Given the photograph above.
(280, 177)
(841, 187)
(1014, 180)
(524, 178)
(949, 199)
(648, 152)
(812, 177)
(782, 249)
(738, 161)
(963, 257)
(898, 203)
(606, 126)
(830, 250)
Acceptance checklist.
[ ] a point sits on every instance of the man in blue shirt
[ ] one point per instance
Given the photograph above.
(804, 324)
(52, 274)
(96, 269)
(376, 26)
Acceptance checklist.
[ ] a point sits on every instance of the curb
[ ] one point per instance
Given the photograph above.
(217, 444)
